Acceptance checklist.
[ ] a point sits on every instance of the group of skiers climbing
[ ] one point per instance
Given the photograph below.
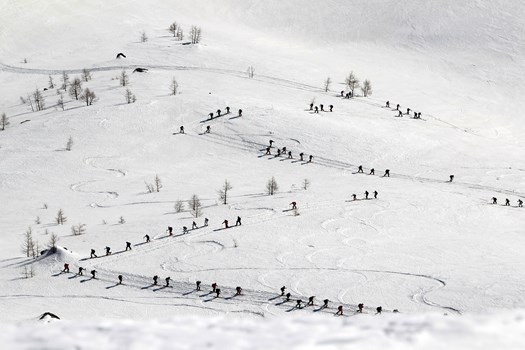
(416, 115)
(219, 113)
(507, 202)
(287, 153)
(367, 194)
(321, 108)
(372, 171)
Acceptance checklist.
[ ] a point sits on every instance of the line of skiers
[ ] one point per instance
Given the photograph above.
(185, 230)
(237, 222)
(367, 194)
(286, 153)
(373, 171)
(321, 108)
(219, 113)
(347, 95)
(507, 202)
(417, 115)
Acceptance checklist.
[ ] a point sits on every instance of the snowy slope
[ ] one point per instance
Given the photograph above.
(424, 245)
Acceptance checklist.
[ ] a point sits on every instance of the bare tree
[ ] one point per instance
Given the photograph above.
(75, 88)
(40, 102)
(78, 230)
(51, 84)
(327, 84)
(173, 28)
(180, 34)
(143, 37)
(121, 220)
(61, 218)
(4, 121)
(29, 271)
(130, 97)
(30, 102)
(179, 206)
(45, 206)
(37, 220)
(86, 74)
(65, 80)
(366, 88)
(271, 186)
(352, 82)
(306, 184)
(123, 78)
(53, 240)
(195, 34)
(174, 87)
(195, 206)
(60, 102)
(250, 71)
(28, 244)
(150, 187)
(158, 183)
(88, 96)
(223, 192)
(69, 144)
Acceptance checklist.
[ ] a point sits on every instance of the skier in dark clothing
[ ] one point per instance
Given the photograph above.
(360, 308)
(298, 303)
(225, 222)
(311, 106)
(284, 150)
(325, 304)
(400, 114)
(342, 93)
(93, 255)
(310, 301)
(294, 205)
(93, 273)
(238, 222)
(419, 115)
(80, 271)
(147, 238)
(238, 291)
(375, 194)
(301, 155)
(310, 158)
(360, 169)
(66, 268)
(283, 288)
(184, 230)
(205, 222)
(408, 111)
(520, 203)
(194, 225)
(278, 152)
(181, 130)
(218, 113)
(119, 279)
(240, 112)
(316, 109)
(379, 309)
(347, 95)
(167, 279)
(388, 104)
(290, 155)
(155, 280)
(451, 178)
(198, 284)
(354, 196)
(218, 292)
(322, 107)
(214, 286)
(387, 173)
(507, 202)
(288, 295)
(208, 129)
(415, 115)
(366, 194)
(372, 172)
(397, 107)
(108, 251)
(271, 143)
(339, 310)
(128, 246)
(170, 230)
(494, 200)
(210, 115)
(331, 108)
(268, 150)
(227, 110)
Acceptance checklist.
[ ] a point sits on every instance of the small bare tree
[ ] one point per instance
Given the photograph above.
(223, 192)
(121, 220)
(28, 271)
(149, 187)
(38, 97)
(51, 84)
(53, 240)
(78, 230)
(173, 28)
(60, 102)
(179, 206)
(37, 220)
(4, 121)
(130, 97)
(143, 37)
(366, 88)
(28, 245)
(75, 88)
(69, 144)
(306, 184)
(195, 34)
(180, 34)
(123, 78)
(86, 74)
(45, 206)
(352, 82)
(88, 96)
(158, 183)
(250, 72)
(65, 80)
(271, 186)
(174, 87)
(327, 84)
(195, 206)
(30, 102)
(61, 218)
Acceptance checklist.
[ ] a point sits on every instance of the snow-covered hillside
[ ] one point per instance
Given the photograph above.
(423, 245)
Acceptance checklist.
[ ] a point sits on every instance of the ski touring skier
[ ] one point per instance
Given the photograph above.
(128, 246)
(325, 304)
(397, 107)
(170, 231)
(400, 114)
(205, 221)
(167, 279)
(322, 107)
(268, 150)
(278, 152)
(301, 155)
(451, 178)
(310, 158)
(184, 230)
(387, 173)
(339, 310)
(507, 202)
(415, 115)
(366, 194)
(342, 93)
(271, 143)
(379, 309)
(408, 111)
(225, 222)
(298, 303)
(194, 225)
(331, 108)
(316, 109)
(375, 194)
(372, 171)
(93, 255)
(198, 285)
(119, 279)
(108, 251)
(310, 301)
(520, 203)
(218, 113)
(238, 222)
(80, 271)
(66, 268)
(283, 288)
(147, 238)
(208, 129)
(419, 115)
(238, 291)
(288, 295)
(240, 112)
(155, 280)
(227, 110)
(360, 169)
(290, 155)
(210, 115)
(93, 273)
(494, 200)
(360, 307)
(218, 292)
(311, 106)
(294, 205)
(181, 130)
(387, 104)
(354, 196)
(213, 286)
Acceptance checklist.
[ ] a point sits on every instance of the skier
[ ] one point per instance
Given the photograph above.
(520, 203)
(108, 251)
(507, 202)
(227, 110)
(283, 288)
(342, 93)
(387, 173)
(238, 291)
(218, 292)
(155, 280)
(238, 222)
(214, 286)
(119, 279)
(360, 169)
(225, 222)
(375, 194)
(80, 271)
(387, 104)
(184, 230)
(400, 114)
(322, 107)
(128, 246)
(415, 115)
(354, 196)
(494, 200)
(284, 150)
(205, 221)
(379, 309)
(271, 143)
(372, 171)
(147, 238)
(278, 152)
(288, 295)
(66, 268)
(218, 113)
(408, 111)
(167, 281)
(301, 155)
(366, 194)
(316, 109)
(268, 150)
(210, 115)
(93, 272)
(170, 231)
(208, 129)
(451, 178)
(419, 115)
(311, 106)
(325, 304)
(290, 155)
(397, 107)
(93, 255)
(339, 310)
(347, 95)
(331, 108)
(298, 304)
(310, 158)
(181, 130)
(194, 225)
(360, 307)
(198, 284)
(294, 205)
(240, 112)
(310, 301)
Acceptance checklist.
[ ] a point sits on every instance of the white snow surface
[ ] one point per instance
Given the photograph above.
(425, 246)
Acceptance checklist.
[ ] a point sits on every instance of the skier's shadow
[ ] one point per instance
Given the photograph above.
(205, 295)
(282, 302)
(86, 280)
(277, 297)
(148, 287)
(221, 229)
(304, 163)
(211, 299)
(57, 274)
(139, 244)
(293, 309)
(161, 288)
(231, 297)
(113, 286)
(74, 276)
(282, 160)
(284, 211)
(297, 161)
(190, 292)
(321, 308)
(235, 117)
